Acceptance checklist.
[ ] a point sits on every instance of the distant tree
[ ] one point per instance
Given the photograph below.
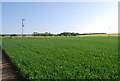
(68, 34)
(46, 34)
(42, 34)
(73, 34)
(50, 34)
(3, 35)
(35, 33)
(61, 34)
(14, 35)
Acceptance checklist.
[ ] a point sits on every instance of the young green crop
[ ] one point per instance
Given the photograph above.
(0, 42)
(64, 58)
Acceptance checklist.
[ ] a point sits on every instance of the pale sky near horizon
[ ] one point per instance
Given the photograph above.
(57, 17)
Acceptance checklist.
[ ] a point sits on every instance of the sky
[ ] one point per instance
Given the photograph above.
(57, 17)
(0, 17)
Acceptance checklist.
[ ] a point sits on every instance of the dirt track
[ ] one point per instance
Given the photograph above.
(7, 73)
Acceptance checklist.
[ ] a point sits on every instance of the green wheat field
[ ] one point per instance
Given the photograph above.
(64, 57)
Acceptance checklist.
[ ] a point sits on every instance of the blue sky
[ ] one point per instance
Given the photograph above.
(57, 17)
(0, 22)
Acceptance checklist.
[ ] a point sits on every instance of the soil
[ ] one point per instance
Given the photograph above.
(7, 71)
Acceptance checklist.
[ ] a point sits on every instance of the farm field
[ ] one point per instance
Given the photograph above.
(64, 57)
(0, 42)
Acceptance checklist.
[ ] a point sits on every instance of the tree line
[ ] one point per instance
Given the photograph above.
(51, 34)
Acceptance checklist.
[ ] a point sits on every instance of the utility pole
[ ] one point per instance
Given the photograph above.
(22, 26)
(109, 31)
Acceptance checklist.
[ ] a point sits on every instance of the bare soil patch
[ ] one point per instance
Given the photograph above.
(7, 71)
